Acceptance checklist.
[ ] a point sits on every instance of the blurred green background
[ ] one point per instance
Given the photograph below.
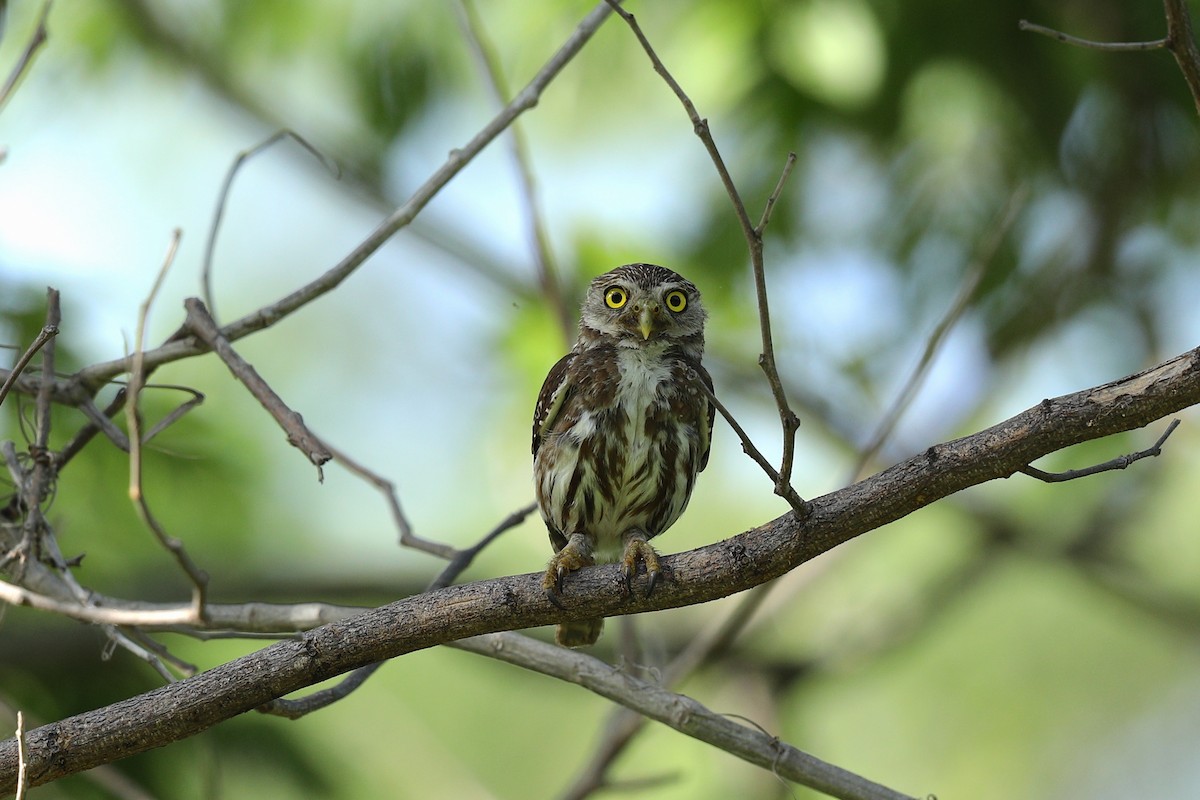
(1018, 641)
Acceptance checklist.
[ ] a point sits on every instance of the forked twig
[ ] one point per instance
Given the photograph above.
(754, 241)
(1120, 462)
(223, 199)
(47, 333)
(1179, 40)
(197, 576)
(34, 484)
(463, 558)
(200, 323)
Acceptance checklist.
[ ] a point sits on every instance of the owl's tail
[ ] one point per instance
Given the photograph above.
(579, 634)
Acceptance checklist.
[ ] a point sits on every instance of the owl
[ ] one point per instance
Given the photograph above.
(621, 428)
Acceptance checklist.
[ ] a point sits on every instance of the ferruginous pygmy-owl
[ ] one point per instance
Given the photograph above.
(621, 428)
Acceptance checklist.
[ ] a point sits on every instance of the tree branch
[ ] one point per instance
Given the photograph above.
(1182, 44)
(740, 562)
(681, 713)
(93, 377)
(201, 323)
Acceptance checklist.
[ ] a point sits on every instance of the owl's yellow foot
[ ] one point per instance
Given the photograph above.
(637, 547)
(575, 554)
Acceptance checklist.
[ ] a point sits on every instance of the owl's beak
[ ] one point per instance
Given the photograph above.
(646, 322)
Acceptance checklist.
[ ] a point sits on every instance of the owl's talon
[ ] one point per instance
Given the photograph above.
(575, 554)
(638, 548)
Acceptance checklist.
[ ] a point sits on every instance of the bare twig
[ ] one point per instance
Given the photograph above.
(35, 42)
(44, 335)
(19, 596)
(788, 493)
(548, 278)
(223, 199)
(101, 421)
(463, 558)
(769, 207)
(1182, 44)
(966, 291)
(89, 431)
(36, 483)
(176, 413)
(388, 489)
(174, 546)
(22, 758)
(1120, 462)
(298, 435)
(297, 708)
(1112, 47)
(754, 241)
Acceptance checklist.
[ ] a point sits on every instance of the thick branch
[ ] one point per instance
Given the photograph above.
(748, 559)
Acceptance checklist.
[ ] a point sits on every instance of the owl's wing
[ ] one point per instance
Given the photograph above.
(706, 433)
(550, 399)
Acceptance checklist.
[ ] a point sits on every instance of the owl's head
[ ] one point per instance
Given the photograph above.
(640, 303)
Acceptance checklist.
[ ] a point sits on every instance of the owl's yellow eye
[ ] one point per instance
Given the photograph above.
(615, 297)
(676, 301)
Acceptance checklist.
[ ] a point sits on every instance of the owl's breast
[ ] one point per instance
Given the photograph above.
(626, 452)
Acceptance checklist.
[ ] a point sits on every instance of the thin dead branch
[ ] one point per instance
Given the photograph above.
(223, 200)
(1120, 462)
(1180, 40)
(173, 545)
(463, 558)
(624, 723)
(303, 706)
(299, 436)
(47, 333)
(683, 714)
(974, 275)
(408, 538)
(1182, 44)
(754, 241)
(1112, 47)
(23, 758)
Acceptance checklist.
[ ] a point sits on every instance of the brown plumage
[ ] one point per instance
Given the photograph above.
(622, 427)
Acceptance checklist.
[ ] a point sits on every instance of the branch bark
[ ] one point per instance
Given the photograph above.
(187, 707)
